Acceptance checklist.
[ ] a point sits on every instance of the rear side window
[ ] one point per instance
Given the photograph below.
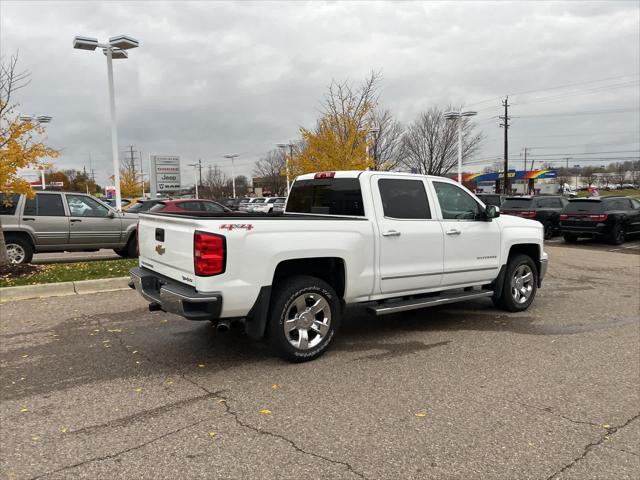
(45, 205)
(620, 204)
(517, 203)
(328, 196)
(403, 198)
(584, 206)
(190, 206)
(8, 203)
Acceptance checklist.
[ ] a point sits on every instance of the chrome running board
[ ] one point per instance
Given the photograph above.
(424, 302)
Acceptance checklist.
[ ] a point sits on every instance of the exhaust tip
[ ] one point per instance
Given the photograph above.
(223, 326)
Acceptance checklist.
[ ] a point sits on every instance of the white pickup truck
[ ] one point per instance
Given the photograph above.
(394, 241)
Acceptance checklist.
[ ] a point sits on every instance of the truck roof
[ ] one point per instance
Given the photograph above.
(365, 173)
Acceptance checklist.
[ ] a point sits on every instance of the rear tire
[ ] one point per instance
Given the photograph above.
(19, 250)
(130, 251)
(617, 235)
(304, 317)
(520, 284)
(570, 238)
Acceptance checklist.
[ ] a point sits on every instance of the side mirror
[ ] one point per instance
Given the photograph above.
(111, 214)
(492, 212)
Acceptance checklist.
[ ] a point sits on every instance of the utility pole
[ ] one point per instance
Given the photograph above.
(141, 172)
(200, 172)
(505, 125)
(525, 160)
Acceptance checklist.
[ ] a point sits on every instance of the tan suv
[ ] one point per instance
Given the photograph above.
(64, 222)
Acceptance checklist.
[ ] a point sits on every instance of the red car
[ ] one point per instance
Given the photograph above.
(189, 205)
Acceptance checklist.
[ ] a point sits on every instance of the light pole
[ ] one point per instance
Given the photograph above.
(116, 48)
(195, 171)
(453, 115)
(374, 131)
(283, 146)
(232, 156)
(38, 119)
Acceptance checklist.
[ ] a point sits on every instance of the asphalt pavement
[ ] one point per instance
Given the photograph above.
(98, 387)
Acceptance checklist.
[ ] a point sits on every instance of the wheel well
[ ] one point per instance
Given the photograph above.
(329, 269)
(22, 235)
(532, 250)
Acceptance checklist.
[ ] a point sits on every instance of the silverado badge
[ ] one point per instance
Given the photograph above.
(160, 249)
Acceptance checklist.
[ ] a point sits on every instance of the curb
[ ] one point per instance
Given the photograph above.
(25, 292)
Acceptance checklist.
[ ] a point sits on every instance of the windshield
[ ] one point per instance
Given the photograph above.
(584, 206)
(329, 196)
(517, 203)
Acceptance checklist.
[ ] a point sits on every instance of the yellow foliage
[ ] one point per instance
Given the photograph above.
(130, 186)
(339, 142)
(19, 149)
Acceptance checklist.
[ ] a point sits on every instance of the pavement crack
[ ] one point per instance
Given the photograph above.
(121, 452)
(143, 415)
(550, 411)
(587, 448)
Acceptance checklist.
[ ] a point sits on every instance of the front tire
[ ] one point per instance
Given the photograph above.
(305, 315)
(520, 284)
(570, 238)
(19, 250)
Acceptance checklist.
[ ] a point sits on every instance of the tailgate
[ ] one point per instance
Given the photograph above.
(166, 246)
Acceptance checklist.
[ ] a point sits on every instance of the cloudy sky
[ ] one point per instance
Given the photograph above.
(212, 78)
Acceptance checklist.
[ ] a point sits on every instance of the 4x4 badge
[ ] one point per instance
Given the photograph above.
(160, 249)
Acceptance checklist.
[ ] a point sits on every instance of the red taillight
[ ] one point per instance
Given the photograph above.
(598, 218)
(563, 216)
(325, 175)
(209, 254)
(527, 214)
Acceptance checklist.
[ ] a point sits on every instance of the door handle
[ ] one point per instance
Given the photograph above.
(454, 231)
(32, 219)
(391, 233)
(75, 220)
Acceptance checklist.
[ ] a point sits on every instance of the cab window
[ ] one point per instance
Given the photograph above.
(455, 203)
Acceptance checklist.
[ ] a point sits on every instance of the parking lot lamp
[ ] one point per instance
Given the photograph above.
(37, 119)
(453, 115)
(232, 156)
(116, 48)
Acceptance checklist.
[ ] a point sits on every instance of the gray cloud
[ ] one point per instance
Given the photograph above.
(212, 78)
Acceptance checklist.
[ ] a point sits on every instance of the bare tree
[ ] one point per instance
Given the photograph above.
(214, 183)
(386, 148)
(430, 144)
(271, 168)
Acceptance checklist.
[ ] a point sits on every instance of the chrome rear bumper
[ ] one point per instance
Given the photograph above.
(171, 296)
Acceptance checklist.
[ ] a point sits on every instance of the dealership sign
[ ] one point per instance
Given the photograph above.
(166, 174)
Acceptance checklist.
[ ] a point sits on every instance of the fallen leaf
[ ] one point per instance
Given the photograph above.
(212, 434)
(264, 411)
(24, 409)
(169, 382)
(606, 426)
(115, 330)
(135, 351)
(25, 356)
(222, 401)
(138, 390)
(64, 429)
(137, 362)
(201, 365)
(421, 414)
(275, 386)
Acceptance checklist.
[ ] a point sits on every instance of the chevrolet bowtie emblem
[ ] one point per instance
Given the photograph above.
(160, 249)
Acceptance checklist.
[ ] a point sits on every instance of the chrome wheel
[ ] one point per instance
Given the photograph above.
(15, 253)
(307, 321)
(522, 284)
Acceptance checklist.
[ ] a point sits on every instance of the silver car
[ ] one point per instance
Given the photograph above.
(64, 222)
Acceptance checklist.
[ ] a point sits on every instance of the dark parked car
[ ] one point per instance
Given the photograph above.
(234, 203)
(143, 206)
(609, 218)
(545, 209)
(189, 205)
(492, 199)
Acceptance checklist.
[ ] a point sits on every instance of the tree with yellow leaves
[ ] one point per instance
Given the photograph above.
(21, 143)
(341, 138)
